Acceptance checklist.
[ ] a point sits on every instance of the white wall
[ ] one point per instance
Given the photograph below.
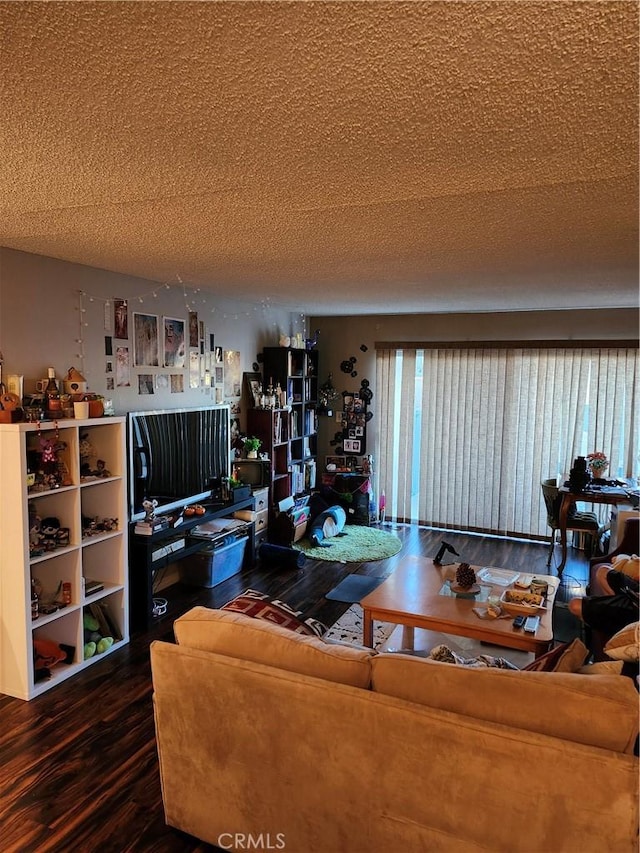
(41, 324)
(341, 338)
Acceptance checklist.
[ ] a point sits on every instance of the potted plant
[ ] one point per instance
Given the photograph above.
(251, 446)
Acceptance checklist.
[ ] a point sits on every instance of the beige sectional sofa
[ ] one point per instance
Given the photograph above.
(268, 739)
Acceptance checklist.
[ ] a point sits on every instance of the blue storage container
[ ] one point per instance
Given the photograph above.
(212, 565)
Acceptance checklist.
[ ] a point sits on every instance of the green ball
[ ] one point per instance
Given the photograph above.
(89, 650)
(90, 622)
(104, 644)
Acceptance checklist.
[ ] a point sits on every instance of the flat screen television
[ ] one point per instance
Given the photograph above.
(175, 454)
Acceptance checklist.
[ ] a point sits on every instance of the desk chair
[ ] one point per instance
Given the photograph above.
(585, 522)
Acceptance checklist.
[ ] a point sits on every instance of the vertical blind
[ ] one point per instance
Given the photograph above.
(466, 435)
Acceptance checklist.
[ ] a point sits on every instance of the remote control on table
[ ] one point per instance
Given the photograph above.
(518, 622)
(531, 624)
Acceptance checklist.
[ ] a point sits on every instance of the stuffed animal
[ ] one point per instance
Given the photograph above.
(47, 653)
(49, 528)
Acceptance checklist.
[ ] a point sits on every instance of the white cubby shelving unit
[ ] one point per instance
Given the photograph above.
(101, 556)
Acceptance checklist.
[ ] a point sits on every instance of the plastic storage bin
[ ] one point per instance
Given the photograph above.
(213, 565)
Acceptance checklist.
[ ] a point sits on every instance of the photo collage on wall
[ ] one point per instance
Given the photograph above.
(151, 353)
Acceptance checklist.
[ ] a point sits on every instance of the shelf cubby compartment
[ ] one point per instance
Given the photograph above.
(61, 504)
(66, 468)
(66, 630)
(100, 560)
(100, 500)
(105, 448)
(112, 616)
(53, 570)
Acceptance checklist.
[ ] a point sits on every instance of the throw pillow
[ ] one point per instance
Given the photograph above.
(259, 605)
(602, 667)
(567, 657)
(625, 645)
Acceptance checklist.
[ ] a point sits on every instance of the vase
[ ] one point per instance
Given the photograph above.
(598, 473)
(252, 454)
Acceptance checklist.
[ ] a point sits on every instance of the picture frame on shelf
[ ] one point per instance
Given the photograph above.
(253, 387)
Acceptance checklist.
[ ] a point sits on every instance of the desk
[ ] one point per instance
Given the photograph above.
(606, 495)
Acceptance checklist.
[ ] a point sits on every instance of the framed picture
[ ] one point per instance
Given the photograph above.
(120, 312)
(193, 328)
(340, 462)
(174, 345)
(145, 340)
(253, 388)
(352, 445)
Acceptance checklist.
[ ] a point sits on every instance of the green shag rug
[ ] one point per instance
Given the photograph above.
(359, 545)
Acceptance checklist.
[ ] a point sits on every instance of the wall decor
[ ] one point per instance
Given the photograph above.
(194, 369)
(193, 328)
(123, 367)
(145, 340)
(177, 383)
(354, 412)
(232, 375)
(253, 388)
(174, 346)
(145, 383)
(121, 319)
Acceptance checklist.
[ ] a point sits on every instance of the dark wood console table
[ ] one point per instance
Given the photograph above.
(142, 566)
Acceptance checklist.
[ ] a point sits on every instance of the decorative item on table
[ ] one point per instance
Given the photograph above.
(75, 384)
(251, 447)
(598, 464)
(579, 476)
(96, 406)
(10, 409)
(465, 581)
(441, 552)
(539, 587)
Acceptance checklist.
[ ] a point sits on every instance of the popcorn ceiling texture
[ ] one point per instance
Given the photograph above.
(335, 157)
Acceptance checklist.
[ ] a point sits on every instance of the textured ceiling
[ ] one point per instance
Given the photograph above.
(332, 157)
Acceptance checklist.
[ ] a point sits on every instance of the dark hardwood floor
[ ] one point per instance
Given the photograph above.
(78, 765)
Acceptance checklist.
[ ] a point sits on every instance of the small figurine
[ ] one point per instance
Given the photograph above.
(149, 508)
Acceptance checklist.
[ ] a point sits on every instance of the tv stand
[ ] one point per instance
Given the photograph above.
(142, 566)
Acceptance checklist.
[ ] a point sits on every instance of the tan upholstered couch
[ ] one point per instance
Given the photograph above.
(272, 740)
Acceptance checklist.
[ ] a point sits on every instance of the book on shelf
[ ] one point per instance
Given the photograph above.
(146, 528)
(108, 625)
(91, 586)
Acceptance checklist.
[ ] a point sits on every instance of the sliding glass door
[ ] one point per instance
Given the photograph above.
(466, 434)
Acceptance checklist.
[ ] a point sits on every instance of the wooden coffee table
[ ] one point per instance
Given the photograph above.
(411, 597)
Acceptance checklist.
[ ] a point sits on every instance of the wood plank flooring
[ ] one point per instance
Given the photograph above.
(78, 765)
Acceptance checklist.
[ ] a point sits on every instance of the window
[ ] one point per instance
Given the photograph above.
(465, 435)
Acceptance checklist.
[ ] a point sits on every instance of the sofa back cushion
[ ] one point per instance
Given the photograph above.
(601, 710)
(236, 635)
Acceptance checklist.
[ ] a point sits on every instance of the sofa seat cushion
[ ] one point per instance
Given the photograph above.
(600, 710)
(236, 635)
